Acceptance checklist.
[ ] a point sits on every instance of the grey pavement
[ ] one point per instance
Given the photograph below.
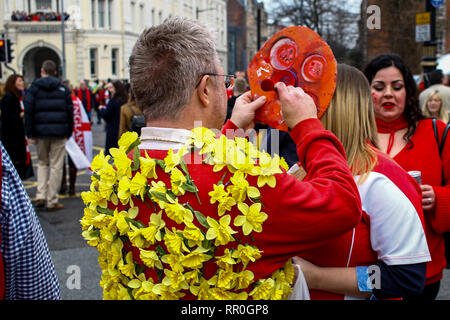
(70, 253)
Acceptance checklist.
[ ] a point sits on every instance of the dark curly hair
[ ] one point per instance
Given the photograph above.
(412, 111)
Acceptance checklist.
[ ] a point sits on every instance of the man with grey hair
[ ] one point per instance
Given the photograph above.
(178, 83)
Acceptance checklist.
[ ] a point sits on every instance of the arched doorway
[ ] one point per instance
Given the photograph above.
(33, 59)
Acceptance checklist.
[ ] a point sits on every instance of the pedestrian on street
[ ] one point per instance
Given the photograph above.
(436, 78)
(87, 98)
(111, 113)
(409, 138)
(48, 123)
(13, 128)
(127, 112)
(26, 268)
(434, 107)
(222, 231)
(390, 236)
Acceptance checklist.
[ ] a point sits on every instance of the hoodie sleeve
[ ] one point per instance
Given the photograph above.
(29, 106)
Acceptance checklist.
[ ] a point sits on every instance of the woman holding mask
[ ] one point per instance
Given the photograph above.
(390, 238)
(409, 138)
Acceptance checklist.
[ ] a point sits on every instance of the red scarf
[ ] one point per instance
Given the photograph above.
(391, 128)
(88, 98)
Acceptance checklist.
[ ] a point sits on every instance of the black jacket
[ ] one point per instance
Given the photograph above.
(13, 131)
(48, 109)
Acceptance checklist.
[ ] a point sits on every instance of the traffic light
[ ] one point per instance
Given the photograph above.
(2, 50)
(9, 51)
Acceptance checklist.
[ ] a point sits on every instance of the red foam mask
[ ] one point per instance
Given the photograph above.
(296, 56)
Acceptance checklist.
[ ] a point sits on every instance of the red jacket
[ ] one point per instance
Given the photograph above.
(300, 214)
(424, 157)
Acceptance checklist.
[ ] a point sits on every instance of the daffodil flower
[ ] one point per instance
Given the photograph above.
(127, 140)
(175, 280)
(178, 213)
(246, 253)
(174, 261)
(148, 167)
(174, 241)
(221, 231)
(240, 188)
(218, 193)
(202, 290)
(225, 278)
(193, 234)
(196, 258)
(252, 218)
(269, 167)
(128, 268)
(226, 260)
(150, 259)
(262, 291)
(94, 199)
(100, 161)
(166, 292)
(177, 179)
(153, 231)
(173, 159)
(201, 136)
(244, 279)
(124, 193)
(138, 185)
(122, 162)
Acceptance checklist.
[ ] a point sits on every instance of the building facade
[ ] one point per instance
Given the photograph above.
(98, 36)
(247, 32)
(396, 31)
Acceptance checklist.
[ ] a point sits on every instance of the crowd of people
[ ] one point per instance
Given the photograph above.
(44, 15)
(340, 199)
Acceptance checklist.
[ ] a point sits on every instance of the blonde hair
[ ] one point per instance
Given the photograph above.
(350, 116)
(443, 114)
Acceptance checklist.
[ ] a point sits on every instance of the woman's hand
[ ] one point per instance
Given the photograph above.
(428, 197)
(310, 271)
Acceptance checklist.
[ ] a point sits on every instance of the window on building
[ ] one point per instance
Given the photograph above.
(93, 62)
(141, 17)
(110, 8)
(101, 13)
(43, 4)
(133, 13)
(153, 17)
(93, 24)
(114, 61)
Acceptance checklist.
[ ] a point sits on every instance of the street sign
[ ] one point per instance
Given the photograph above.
(423, 27)
(436, 3)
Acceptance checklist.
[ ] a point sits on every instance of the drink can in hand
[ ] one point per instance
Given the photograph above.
(417, 175)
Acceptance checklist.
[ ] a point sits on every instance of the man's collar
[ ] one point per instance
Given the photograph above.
(157, 138)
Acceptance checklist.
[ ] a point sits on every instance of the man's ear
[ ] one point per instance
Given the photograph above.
(204, 90)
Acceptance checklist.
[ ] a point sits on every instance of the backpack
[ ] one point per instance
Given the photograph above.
(137, 121)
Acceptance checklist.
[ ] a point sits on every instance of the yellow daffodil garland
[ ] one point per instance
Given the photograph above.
(178, 255)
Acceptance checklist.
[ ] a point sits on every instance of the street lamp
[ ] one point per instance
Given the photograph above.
(63, 42)
(197, 11)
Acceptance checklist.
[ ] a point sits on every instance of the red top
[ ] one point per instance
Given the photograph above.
(300, 214)
(335, 253)
(424, 157)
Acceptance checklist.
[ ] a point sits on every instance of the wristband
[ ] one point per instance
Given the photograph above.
(364, 283)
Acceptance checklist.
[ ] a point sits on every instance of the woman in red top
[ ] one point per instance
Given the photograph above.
(408, 137)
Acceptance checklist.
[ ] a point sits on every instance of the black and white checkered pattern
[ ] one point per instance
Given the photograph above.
(29, 270)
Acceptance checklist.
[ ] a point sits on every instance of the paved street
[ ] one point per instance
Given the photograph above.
(70, 252)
